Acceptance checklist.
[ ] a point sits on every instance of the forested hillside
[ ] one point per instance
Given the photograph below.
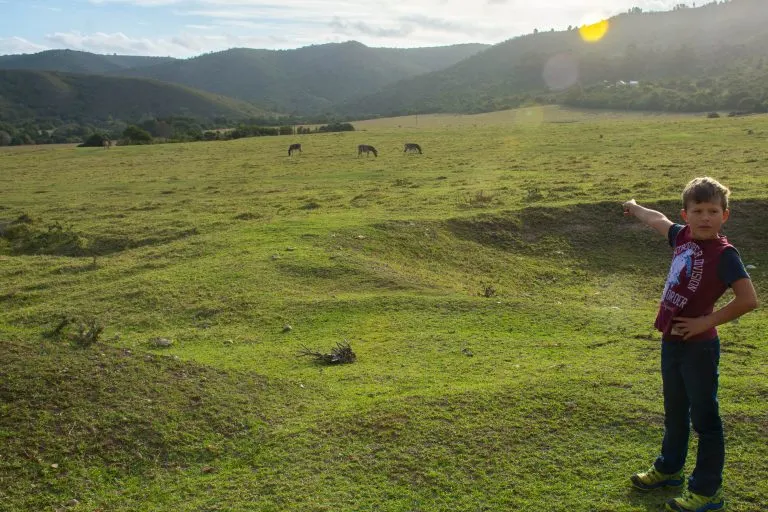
(28, 95)
(690, 59)
(306, 81)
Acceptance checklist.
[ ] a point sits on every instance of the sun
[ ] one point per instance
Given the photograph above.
(595, 32)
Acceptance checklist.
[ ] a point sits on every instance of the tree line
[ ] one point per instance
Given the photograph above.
(153, 130)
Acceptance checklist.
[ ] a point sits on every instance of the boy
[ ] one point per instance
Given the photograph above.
(703, 267)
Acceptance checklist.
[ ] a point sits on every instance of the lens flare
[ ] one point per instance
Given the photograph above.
(595, 32)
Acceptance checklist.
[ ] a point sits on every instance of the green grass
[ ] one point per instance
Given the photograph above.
(546, 395)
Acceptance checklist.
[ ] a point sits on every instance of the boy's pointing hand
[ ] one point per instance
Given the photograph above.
(628, 207)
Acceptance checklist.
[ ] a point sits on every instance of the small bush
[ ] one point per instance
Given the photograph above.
(488, 291)
(57, 239)
(478, 200)
(81, 332)
(88, 333)
(337, 127)
(481, 199)
(135, 135)
(96, 140)
(23, 219)
(247, 216)
(534, 194)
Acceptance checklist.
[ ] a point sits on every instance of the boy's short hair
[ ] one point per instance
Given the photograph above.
(705, 190)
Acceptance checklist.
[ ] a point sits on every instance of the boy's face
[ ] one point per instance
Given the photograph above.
(705, 219)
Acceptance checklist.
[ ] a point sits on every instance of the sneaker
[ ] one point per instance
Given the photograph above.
(655, 479)
(692, 502)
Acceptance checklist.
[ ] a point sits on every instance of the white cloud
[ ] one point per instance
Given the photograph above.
(244, 24)
(355, 28)
(182, 45)
(12, 45)
(190, 27)
(117, 42)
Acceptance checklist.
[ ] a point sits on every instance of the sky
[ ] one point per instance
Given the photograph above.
(186, 28)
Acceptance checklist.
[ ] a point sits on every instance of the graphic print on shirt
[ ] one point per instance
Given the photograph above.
(683, 262)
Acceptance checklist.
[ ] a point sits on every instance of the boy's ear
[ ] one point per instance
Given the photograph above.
(684, 215)
(726, 215)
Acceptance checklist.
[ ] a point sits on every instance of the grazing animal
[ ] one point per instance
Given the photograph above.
(106, 143)
(410, 146)
(294, 147)
(364, 148)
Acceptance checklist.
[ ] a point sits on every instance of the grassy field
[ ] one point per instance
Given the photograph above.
(499, 304)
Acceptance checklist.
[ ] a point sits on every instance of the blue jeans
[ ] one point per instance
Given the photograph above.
(689, 372)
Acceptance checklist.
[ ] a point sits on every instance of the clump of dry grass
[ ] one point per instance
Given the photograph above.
(341, 354)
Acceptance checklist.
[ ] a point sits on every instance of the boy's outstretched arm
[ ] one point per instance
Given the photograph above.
(745, 300)
(652, 218)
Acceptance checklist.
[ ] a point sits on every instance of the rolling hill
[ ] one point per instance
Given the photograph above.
(687, 44)
(308, 80)
(27, 95)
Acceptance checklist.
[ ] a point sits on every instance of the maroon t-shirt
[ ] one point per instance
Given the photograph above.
(693, 285)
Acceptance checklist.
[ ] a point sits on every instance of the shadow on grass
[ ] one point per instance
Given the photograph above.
(650, 500)
(110, 406)
(599, 237)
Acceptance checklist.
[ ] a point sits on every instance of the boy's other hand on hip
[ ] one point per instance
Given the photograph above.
(689, 327)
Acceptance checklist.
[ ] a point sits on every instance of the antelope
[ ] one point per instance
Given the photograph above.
(411, 146)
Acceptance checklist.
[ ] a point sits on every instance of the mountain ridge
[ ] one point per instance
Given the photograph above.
(304, 81)
(30, 94)
(74, 61)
